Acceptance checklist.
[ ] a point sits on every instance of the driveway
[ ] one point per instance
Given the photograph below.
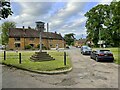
(86, 73)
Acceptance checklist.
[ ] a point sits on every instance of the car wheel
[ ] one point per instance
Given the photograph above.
(112, 60)
(91, 57)
(82, 53)
(96, 59)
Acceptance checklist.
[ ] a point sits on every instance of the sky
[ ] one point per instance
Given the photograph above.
(63, 16)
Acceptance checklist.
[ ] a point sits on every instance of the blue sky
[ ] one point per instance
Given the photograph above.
(63, 17)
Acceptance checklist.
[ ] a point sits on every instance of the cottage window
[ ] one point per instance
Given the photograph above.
(32, 45)
(32, 39)
(51, 45)
(17, 39)
(17, 44)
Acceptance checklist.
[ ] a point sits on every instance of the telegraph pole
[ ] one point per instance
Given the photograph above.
(99, 38)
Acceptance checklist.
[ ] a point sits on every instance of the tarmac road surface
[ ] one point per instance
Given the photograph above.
(86, 73)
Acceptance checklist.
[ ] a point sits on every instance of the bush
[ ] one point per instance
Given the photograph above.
(43, 47)
(33, 48)
(11, 49)
(28, 47)
(38, 46)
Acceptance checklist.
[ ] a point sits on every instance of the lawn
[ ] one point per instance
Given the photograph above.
(116, 53)
(57, 64)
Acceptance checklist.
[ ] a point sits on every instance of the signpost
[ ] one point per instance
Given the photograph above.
(101, 42)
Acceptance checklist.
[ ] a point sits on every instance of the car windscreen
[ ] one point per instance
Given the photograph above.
(104, 51)
(87, 48)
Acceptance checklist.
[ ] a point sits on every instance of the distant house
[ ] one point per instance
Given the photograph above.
(80, 42)
(21, 37)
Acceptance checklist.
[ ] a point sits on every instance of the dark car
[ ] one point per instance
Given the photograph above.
(102, 55)
(85, 50)
(67, 47)
(78, 47)
(2, 47)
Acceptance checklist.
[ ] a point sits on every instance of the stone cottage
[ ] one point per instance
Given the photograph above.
(19, 38)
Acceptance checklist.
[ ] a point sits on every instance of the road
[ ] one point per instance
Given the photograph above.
(86, 73)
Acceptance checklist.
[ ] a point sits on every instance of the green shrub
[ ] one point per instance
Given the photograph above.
(33, 48)
(28, 47)
(43, 47)
(38, 46)
(11, 49)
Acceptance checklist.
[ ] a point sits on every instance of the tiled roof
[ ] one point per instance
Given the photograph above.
(28, 33)
(81, 40)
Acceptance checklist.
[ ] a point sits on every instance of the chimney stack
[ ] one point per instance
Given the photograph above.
(23, 27)
(29, 27)
(55, 32)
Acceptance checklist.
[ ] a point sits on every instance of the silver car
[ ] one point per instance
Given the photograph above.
(85, 50)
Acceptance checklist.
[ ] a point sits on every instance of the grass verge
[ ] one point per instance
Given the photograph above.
(12, 59)
(116, 53)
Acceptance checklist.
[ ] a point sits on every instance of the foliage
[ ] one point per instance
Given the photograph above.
(5, 9)
(69, 38)
(43, 47)
(103, 23)
(5, 30)
(28, 47)
(57, 64)
(0, 35)
(115, 25)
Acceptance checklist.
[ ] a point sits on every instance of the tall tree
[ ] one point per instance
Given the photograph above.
(104, 23)
(69, 38)
(5, 9)
(5, 30)
(95, 22)
(115, 26)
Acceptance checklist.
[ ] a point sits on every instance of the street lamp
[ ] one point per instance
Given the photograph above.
(40, 28)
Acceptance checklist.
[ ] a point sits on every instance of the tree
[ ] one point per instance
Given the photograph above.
(115, 26)
(103, 23)
(5, 30)
(96, 18)
(69, 38)
(5, 9)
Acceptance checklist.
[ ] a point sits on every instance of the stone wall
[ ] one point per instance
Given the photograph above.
(27, 41)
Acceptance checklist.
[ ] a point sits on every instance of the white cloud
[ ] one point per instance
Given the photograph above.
(105, 1)
(36, 8)
(30, 13)
(67, 19)
(62, 16)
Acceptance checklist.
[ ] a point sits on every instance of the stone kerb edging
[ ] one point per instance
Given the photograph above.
(41, 72)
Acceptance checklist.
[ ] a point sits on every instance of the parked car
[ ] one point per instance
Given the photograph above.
(2, 47)
(86, 50)
(67, 47)
(102, 55)
(78, 47)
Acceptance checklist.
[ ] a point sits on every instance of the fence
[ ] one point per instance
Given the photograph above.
(13, 55)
